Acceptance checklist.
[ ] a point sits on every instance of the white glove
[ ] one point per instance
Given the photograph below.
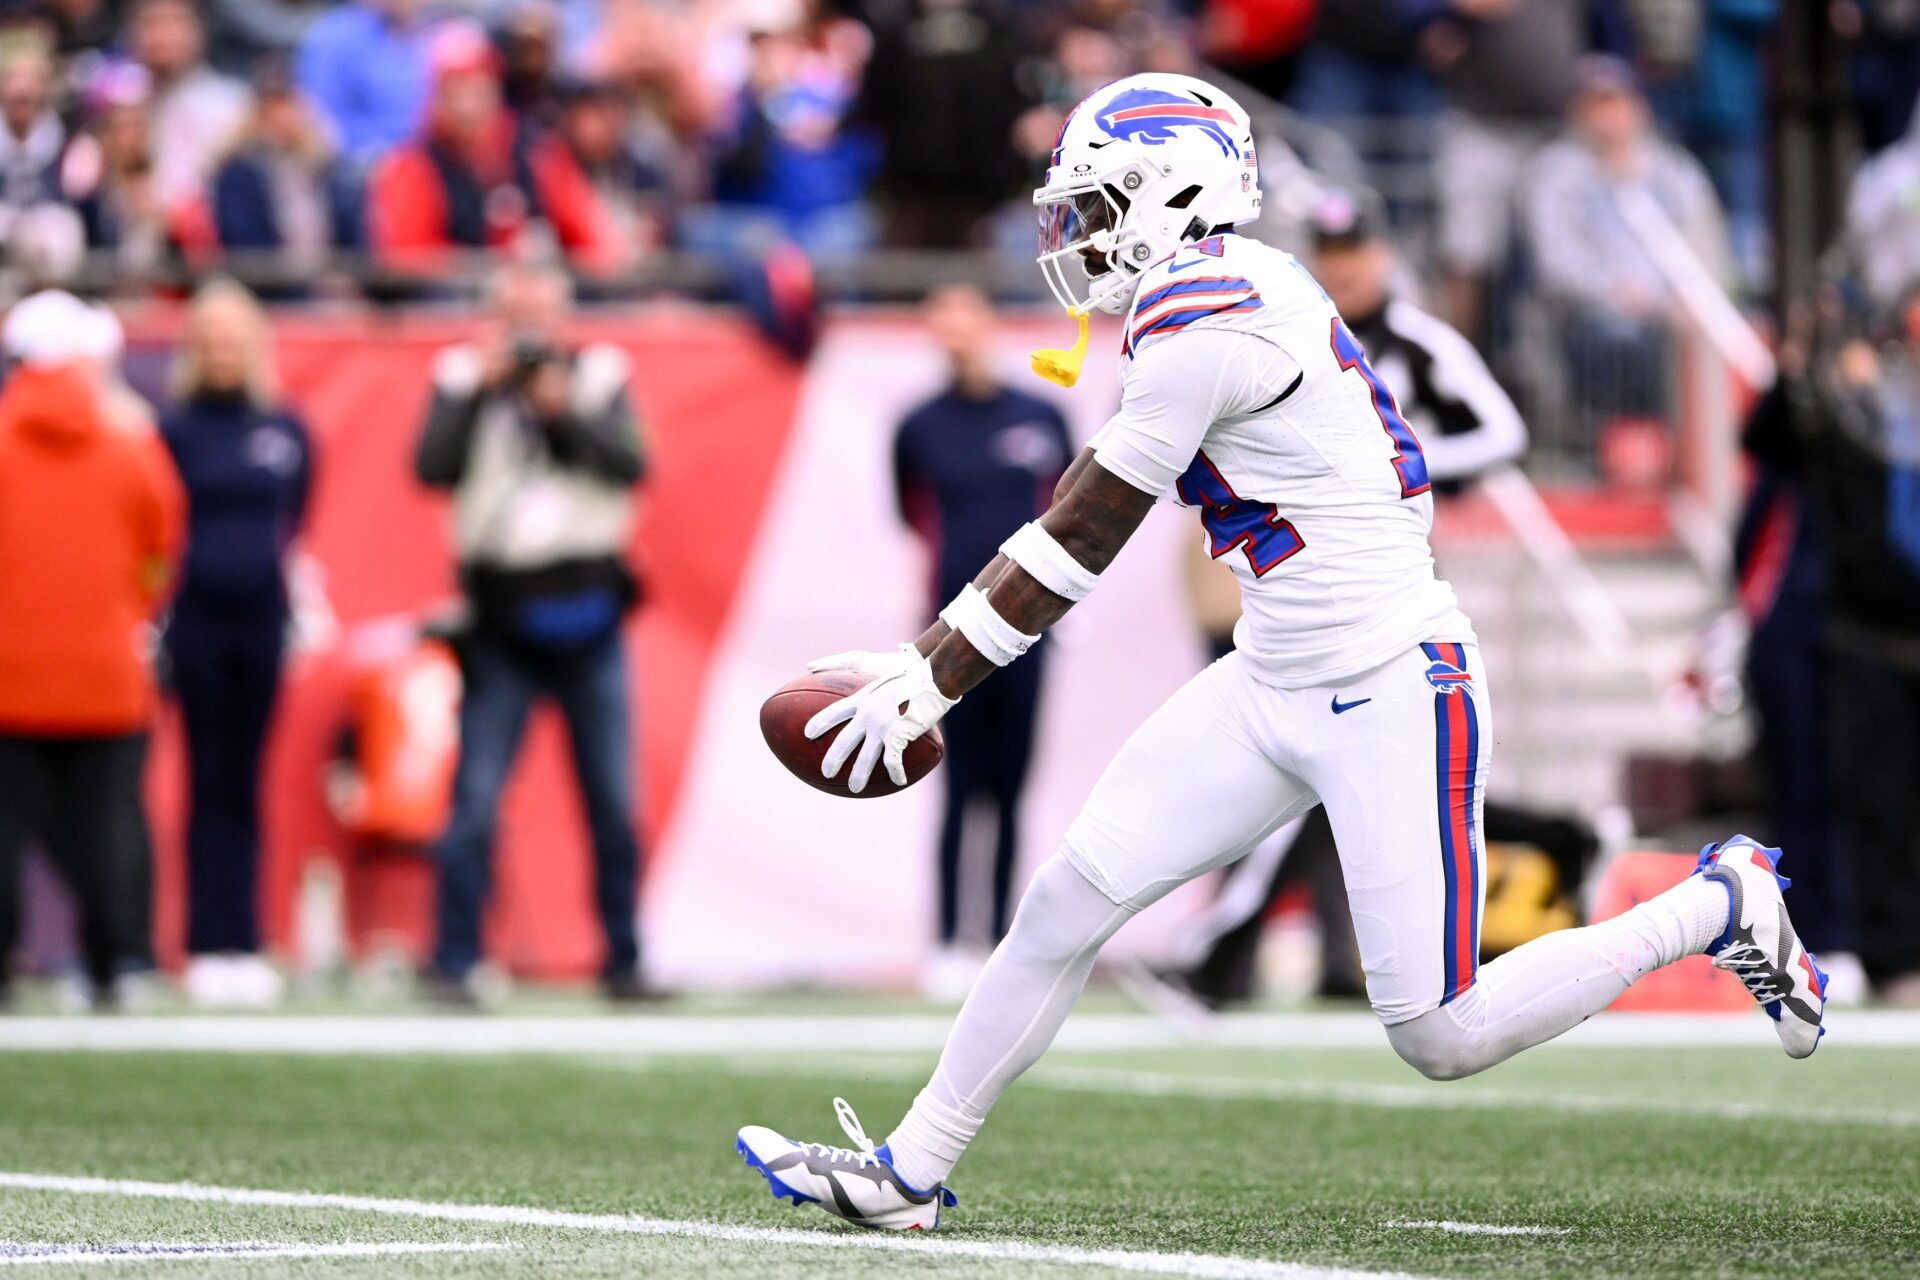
(897, 704)
(865, 663)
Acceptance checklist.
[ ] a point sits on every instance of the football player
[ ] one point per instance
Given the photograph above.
(1355, 681)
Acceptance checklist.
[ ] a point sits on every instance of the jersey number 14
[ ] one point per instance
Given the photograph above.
(1269, 539)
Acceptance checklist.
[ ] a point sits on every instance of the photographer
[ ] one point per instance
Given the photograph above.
(539, 445)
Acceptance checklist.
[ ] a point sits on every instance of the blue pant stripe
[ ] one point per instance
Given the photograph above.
(1442, 752)
(1473, 828)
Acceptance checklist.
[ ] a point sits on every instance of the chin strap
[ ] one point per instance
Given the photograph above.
(1063, 367)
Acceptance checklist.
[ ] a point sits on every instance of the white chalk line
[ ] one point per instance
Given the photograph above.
(1410, 1097)
(1205, 1266)
(722, 1033)
(40, 1255)
(1483, 1228)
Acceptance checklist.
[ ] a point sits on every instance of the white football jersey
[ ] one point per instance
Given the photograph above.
(1244, 396)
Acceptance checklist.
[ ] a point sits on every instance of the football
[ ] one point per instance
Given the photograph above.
(783, 722)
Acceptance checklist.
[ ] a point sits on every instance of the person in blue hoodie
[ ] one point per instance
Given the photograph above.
(789, 160)
(246, 464)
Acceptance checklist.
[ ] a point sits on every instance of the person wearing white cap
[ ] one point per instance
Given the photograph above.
(50, 328)
(89, 524)
(54, 327)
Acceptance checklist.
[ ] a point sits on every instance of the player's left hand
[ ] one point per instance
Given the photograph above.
(897, 704)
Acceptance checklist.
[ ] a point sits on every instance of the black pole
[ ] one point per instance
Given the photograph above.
(1814, 148)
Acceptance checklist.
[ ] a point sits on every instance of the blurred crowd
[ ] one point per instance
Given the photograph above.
(1569, 181)
(301, 135)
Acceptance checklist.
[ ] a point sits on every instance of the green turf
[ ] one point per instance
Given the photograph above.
(1659, 1193)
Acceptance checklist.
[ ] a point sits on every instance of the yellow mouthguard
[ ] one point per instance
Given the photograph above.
(1063, 367)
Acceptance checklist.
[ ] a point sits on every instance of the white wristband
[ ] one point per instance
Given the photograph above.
(1052, 565)
(973, 616)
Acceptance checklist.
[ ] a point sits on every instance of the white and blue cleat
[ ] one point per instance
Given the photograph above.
(1760, 947)
(857, 1184)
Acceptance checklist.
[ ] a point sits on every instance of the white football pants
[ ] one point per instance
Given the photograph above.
(1399, 756)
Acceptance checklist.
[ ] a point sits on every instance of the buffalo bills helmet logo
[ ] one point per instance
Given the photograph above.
(1446, 677)
(1151, 116)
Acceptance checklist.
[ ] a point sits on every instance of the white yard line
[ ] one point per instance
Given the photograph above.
(701, 1033)
(1485, 1228)
(40, 1255)
(1207, 1266)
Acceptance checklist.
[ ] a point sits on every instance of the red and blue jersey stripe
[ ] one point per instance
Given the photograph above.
(1456, 723)
(1173, 306)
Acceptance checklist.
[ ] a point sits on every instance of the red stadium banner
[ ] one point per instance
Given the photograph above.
(718, 406)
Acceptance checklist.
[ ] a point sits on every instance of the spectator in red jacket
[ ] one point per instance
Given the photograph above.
(478, 179)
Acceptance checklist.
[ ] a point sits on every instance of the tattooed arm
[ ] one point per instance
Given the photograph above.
(1093, 514)
(1178, 388)
(1174, 393)
(930, 639)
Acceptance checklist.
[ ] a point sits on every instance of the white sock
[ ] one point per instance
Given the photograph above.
(1703, 908)
(932, 1136)
(1012, 1015)
(1554, 983)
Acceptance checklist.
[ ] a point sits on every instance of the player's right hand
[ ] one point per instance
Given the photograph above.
(897, 704)
(871, 668)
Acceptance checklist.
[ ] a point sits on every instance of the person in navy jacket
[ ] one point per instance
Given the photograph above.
(246, 464)
(281, 191)
(971, 465)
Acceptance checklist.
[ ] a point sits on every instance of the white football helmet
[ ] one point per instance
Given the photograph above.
(1141, 167)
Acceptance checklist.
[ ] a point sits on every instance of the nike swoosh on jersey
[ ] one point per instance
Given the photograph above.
(1339, 706)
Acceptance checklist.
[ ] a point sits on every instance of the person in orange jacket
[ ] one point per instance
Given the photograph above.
(90, 525)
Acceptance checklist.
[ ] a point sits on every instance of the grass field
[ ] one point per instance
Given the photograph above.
(1151, 1156)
